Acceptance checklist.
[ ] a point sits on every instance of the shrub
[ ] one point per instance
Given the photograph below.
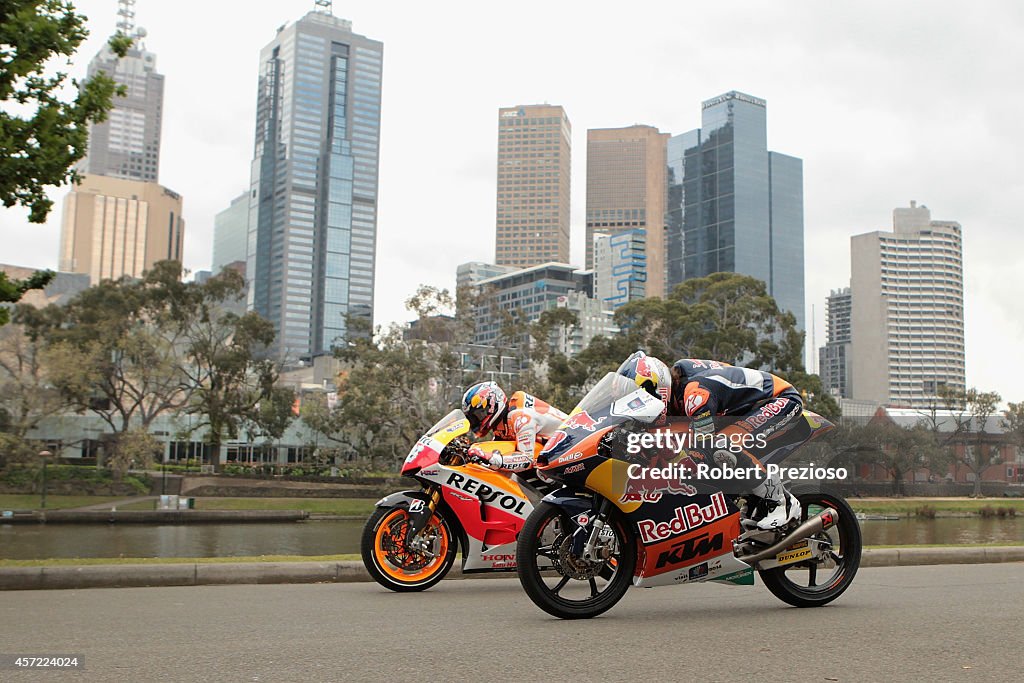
(926, 511)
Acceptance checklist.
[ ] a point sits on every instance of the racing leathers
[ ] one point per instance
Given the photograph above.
(762, 405)
(527, 421)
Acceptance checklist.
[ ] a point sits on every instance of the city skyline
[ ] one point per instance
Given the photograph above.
(902, 106)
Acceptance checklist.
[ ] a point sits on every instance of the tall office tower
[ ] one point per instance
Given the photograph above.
(231, 234)
(620, 267)
(127, 144)
(313, 200)
(119, 221)
(734, 206)
(907, 315)
(114, 227)
(835, 356)
(533, 186)
(626, 191)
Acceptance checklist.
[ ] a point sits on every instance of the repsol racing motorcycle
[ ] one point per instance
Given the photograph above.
(602, 531)
(411, 539)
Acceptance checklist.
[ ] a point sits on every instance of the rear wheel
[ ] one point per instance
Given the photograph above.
(815, 583)
(401, 568)
(563, 584)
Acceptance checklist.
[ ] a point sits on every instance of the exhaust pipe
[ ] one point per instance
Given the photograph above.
(826, 519)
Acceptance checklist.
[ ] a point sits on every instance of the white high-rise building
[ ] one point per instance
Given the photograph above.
(620, 267)
(907, 313)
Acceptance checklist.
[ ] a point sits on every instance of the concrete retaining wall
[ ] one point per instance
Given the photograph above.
(195, 574)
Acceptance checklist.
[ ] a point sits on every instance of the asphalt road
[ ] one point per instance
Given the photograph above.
(931, 623)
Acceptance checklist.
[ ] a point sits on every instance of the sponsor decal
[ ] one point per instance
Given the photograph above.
(416, 505)
(685, 518)
(647, 489)
(573, 468)
(583, 519)
(569, 457)
(694, 399)
(582, 420)
(698, 572)
(485, 493)
(636, 404)
(555, 439)
(462, 497)
(794, 553)
(498, 558)
(429, 473)
(528, 401)
(827, 519)
(644, 496)
(691, 549)
(457, 427)
(520, 422)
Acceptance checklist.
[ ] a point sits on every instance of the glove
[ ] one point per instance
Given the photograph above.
(477, 454)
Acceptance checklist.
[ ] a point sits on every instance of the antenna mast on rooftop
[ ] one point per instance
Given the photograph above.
(323, 6)
(126, 17)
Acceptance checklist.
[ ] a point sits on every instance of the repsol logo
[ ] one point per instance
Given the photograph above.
(485, 493)
(691, 548)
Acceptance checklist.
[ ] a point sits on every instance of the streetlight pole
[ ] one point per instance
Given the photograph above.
(44, 455)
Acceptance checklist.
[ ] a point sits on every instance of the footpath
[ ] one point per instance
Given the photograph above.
(199, 573)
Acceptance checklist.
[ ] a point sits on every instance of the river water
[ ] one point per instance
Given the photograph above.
(38, 541)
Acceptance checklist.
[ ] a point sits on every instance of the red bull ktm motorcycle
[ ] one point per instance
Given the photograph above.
(411, 540)
(603, 530)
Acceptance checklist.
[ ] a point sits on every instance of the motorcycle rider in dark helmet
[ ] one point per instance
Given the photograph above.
(703, 390)
(523, 418)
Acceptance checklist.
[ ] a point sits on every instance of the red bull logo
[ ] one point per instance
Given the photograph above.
(648, 489)
(582, 420)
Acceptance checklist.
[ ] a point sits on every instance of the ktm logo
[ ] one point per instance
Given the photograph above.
(691, 548)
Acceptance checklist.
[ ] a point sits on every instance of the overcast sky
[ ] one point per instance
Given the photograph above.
(884, 101)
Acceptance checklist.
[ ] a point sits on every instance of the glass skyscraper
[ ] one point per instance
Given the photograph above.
(733, 206)
(313, 195)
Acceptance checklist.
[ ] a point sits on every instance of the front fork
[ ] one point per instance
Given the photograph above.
(597, 539)
(420, 511)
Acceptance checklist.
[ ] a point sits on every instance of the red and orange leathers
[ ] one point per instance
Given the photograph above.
(527, 421)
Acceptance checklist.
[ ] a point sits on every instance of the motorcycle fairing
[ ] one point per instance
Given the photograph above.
(429, 446)
(490, 506)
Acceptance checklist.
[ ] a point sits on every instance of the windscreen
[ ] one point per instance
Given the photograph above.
(611, 388)
(448, 419)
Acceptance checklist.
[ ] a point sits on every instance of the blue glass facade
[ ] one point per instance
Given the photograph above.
(733, 206)
(313, 200)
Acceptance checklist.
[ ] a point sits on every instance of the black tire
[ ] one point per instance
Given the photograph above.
(391, 575)
(618, 576)
(845, 535)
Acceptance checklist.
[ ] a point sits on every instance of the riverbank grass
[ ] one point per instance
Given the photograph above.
(31, 501)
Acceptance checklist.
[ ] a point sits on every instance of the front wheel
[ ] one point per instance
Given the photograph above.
(400, 568)
(815, 582)
(563, 584)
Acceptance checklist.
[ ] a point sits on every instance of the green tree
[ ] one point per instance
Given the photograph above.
(979, 452)
(230, 378)
(27, 395)
(136, 448)
(1013, 425)
(42, 136)
(898, 450)
(117, 349)
(12, 290)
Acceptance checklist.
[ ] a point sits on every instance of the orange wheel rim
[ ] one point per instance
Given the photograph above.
(400, 563)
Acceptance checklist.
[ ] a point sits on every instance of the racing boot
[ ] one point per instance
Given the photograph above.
(782, 507)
